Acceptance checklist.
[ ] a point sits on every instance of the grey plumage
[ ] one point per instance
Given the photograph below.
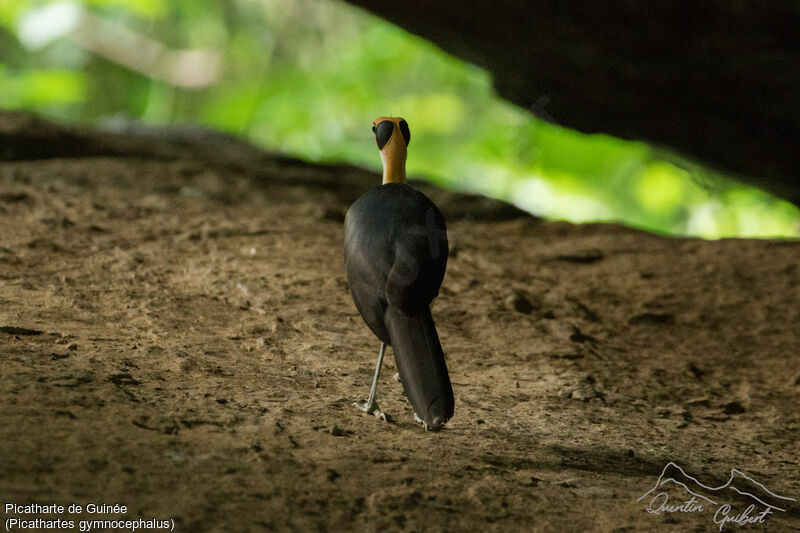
(396, 255)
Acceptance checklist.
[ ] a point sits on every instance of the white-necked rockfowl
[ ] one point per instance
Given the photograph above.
(395, 249)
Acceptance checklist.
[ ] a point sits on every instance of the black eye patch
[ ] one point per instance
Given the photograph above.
(405, 131)
(383, 132)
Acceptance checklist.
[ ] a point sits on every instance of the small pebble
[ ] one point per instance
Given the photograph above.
(520, 303)
(733, 408)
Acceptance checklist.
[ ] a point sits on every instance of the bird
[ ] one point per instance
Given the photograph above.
(395, 253)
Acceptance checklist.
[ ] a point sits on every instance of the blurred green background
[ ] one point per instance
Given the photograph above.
(307, 77)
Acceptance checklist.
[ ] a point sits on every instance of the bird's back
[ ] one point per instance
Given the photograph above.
(395, 251)
(396, 255)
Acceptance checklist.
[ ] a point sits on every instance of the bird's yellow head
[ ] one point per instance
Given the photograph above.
(392, 135)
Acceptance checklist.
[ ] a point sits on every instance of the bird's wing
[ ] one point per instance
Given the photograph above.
(367, 287)
(420, 261)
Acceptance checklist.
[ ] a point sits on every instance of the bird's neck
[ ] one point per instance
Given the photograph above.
(394, 163)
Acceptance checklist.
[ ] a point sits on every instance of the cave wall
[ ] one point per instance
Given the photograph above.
(716, 81)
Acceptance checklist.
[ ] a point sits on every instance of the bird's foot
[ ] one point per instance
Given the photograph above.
(373, 409)
(436, 426)
(418, 420)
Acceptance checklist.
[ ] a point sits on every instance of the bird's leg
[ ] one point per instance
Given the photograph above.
(372, 406)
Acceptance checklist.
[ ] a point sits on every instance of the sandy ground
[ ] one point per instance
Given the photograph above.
(177, 336)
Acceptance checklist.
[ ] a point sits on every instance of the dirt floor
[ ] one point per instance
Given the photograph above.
(177, 336)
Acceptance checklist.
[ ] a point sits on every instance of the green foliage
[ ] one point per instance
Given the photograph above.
(307, 77)
(42, 88)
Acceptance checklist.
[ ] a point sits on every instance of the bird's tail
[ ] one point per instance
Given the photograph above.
(420, 362)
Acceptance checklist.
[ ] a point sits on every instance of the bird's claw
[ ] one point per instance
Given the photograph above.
(436, 425)
(372, 409)
(418, 420)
